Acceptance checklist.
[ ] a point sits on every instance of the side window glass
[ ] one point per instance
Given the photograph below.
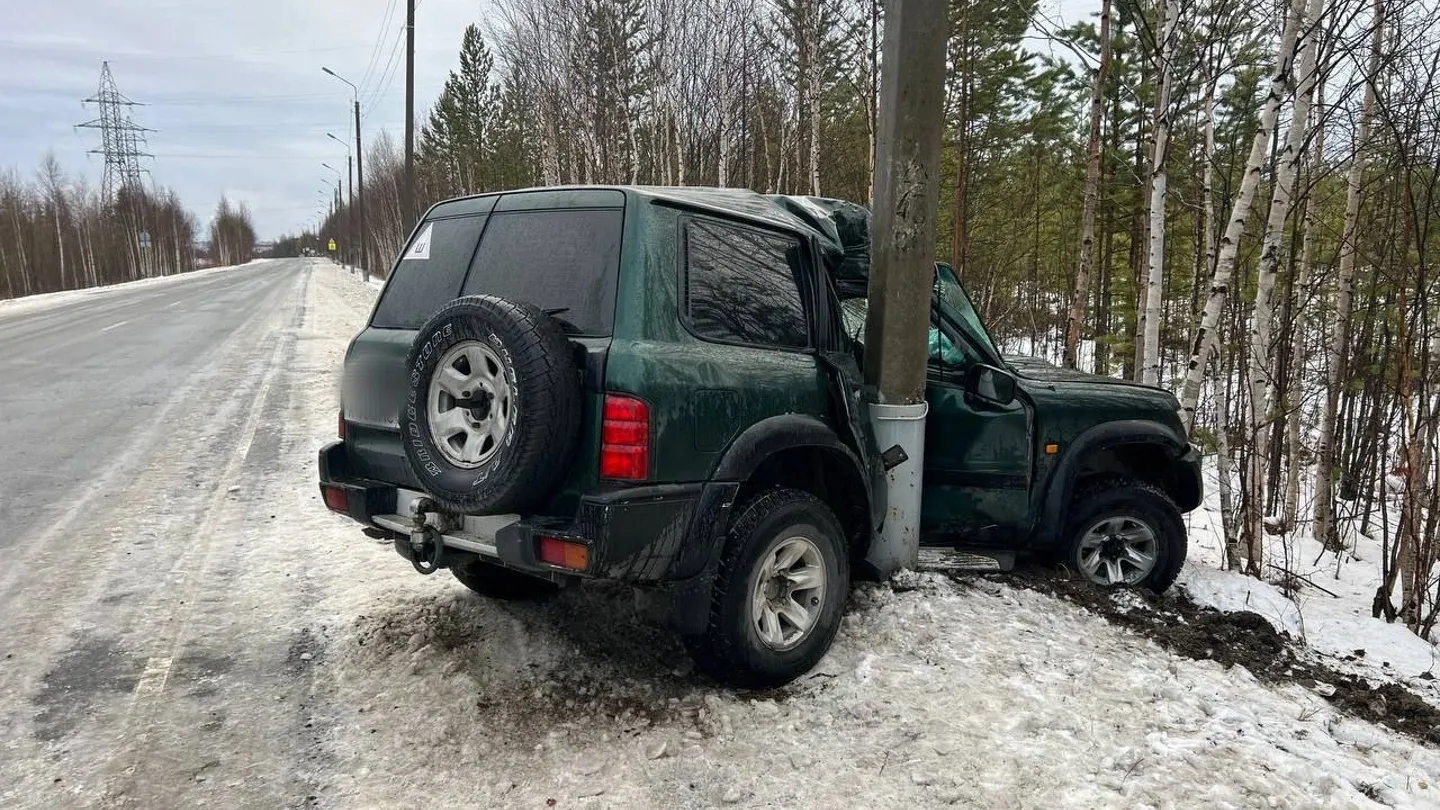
(739, 285)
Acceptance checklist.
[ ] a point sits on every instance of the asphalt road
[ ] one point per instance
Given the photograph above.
(139, 427)
(80, 383)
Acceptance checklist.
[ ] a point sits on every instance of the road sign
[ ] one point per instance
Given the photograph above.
(333, 246)
(144, 240)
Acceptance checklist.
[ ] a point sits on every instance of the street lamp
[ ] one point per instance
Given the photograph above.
(349, 212)
(359, 173)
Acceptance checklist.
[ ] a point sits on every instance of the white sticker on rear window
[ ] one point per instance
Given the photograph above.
(420, 249)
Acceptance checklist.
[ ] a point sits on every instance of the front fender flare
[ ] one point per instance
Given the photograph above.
(1062, 480)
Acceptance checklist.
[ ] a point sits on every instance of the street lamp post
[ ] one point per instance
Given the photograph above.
(339, 201)
(350, 212)
(359, 176)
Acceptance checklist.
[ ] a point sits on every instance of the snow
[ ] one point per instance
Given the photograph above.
(937, 692)
(1336, 625)
(43, 301)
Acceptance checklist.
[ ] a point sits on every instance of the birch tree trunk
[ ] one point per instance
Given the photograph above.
(1092, 195)
(1296, 393)
(1149, 357)
(1204, 347)
(1222, 460)
(1262, 393)
(1324, 526)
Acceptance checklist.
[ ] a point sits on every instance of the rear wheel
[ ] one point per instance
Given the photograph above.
(779, 594)
(498, 582)
(1125, 532)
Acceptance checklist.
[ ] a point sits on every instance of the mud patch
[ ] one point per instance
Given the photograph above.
(92, 668)
(576, 663)
(1181, 625)
(201, 673)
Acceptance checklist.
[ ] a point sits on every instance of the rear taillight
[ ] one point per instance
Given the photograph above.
(563, 553)
(340, 431)
(625, 439)
(336, 499)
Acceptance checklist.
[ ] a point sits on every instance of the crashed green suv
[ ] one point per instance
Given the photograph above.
(660, 386)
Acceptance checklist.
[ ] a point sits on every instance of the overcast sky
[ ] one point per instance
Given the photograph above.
(234, 89)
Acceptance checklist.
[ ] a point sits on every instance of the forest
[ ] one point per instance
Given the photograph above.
(57, 232)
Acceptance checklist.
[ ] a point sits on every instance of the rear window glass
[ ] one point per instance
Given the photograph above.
(557, 260)
(429, 273)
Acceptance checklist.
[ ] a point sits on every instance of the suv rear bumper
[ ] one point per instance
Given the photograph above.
(665, 533)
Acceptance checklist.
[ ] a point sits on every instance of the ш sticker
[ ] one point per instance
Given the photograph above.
(421, 247)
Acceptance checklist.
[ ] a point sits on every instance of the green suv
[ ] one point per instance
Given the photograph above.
(661, 386)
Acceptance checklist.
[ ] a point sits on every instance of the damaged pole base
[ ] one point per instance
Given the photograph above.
(900, 435)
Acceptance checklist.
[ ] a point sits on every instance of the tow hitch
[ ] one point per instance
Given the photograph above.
(427, 550)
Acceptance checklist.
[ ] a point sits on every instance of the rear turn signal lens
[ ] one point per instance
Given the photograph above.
(564, 553)
(625, 439)
(336, 499)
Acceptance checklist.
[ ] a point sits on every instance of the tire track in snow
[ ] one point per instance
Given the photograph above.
(147, 699)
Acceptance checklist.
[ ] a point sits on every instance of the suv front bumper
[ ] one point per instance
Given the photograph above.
(664, 533)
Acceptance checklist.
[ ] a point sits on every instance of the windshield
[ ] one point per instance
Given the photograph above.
(956, 306)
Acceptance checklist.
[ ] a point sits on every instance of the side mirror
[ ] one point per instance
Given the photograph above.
(990, 385)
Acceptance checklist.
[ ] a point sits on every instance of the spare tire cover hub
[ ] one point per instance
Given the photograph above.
(469, 402)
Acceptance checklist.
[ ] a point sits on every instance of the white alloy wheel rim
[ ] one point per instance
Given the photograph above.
(789, 593)
(469, 404)
(1119, 550)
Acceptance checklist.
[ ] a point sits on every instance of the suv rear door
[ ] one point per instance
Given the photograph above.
(556, 249)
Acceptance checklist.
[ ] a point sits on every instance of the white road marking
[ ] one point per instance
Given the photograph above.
(175, 303)
(113, 325)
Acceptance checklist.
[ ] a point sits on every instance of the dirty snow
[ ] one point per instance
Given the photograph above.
(1336, 625)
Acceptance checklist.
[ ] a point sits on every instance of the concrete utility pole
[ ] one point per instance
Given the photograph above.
(360, 197)
(907, 193)
(409, 112)
(902, 265)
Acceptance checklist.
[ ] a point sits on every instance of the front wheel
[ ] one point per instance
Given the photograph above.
(779, 593)
(1125, 532)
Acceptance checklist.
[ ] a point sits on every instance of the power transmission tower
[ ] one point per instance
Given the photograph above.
(121, 139)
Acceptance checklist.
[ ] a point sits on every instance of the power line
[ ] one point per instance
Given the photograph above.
(379, 46)
(389, 75)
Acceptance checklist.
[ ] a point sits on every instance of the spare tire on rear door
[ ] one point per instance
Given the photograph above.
(493, 409)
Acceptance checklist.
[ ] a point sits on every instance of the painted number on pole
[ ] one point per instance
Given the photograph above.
(421, 247)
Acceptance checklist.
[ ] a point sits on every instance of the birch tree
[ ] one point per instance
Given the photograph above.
(1148, 358)
(1092, 194)
(1262, 402)
(1278, 87)
(1324, 524)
